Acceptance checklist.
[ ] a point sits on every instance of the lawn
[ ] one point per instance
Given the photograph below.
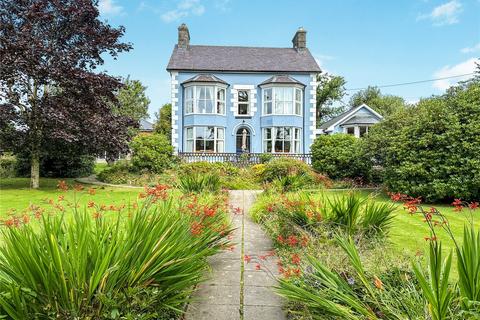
(15, 194)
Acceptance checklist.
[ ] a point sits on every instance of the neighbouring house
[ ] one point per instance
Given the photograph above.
(355, 121)
(234, 99)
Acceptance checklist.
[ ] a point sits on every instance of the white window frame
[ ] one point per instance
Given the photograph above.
(295, 143)
(356, 129)
(216, 88)
(248, 103)
(218, 139)
(294, 101)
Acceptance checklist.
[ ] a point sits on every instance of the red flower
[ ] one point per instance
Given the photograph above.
(295, 259)
(209, 212)
(61, 198)
(247, 258)
(292, 241)
(91, 191)
(62, 185)
(26, 218)
(78, 187)
(473, 205)
(280, 239)
(97, 215)
(457, 202)
(196, 228)
(258, 266)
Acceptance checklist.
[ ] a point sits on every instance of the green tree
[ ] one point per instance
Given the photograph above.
(384, 104)
(432, 150)
(132, 100)
(330, 89)
(163, 124)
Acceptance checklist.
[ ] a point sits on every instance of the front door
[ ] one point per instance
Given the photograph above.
(243, 140)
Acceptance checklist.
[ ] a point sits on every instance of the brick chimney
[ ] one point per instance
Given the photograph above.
(183, 36)
(300, 39)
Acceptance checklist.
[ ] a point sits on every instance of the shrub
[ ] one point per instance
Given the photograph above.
(289, 183)
(340, 156)
(197, 183)
(81, 265)
(345, 211)
(203, 167)
(59, 162)
(282, 167)
(377, 217)
(265, 157)
(8, 163)
(432, 150)
(151, 152)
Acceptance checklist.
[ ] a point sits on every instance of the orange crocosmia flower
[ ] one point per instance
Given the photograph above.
(258, 266)
(292, 241)
(78, 187)
(26, 218)
(91, 191)
(196, 228)
(209, 212)
(61, 198)
(91, 204)
(457, 202)
(295, 259)
(473, 205)
(378, 283)
(62, 185)
(280, 239)
(247, 258)
(96, 215)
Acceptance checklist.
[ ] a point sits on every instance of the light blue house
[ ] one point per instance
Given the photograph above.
(355, 121)
(228, 99)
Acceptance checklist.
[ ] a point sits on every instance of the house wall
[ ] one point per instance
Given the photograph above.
(231, 123)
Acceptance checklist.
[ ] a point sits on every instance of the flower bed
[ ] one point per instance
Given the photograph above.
(135, 260)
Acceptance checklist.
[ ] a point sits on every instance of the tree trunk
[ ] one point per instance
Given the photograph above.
(35, 170)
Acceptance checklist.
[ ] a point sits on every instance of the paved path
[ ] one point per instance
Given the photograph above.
(235, 289)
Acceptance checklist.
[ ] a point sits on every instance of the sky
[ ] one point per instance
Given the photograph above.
(367, 42)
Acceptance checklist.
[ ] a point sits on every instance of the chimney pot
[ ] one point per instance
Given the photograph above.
(300, 39)
(183, 36)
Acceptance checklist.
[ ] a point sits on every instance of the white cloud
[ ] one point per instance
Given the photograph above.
(110, 8)
(222, 5)
(184, 9)
(475, 48)
(464, 67)
(444, 14)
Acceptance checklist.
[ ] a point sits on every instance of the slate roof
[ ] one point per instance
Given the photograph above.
(281, 79)
(326, 125)
(205, 78)
(243, 59)
(146, 125)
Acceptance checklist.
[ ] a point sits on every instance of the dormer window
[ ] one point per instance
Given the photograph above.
(243, 102)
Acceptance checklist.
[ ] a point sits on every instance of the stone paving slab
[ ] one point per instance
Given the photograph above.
(220, 296)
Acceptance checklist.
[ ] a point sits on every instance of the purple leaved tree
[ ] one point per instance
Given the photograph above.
(50, 89)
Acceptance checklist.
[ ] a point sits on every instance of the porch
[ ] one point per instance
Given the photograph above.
(240, 159)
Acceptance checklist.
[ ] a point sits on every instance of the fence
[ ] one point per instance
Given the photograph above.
(241, 159)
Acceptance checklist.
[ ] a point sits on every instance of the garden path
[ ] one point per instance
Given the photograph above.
(236, 289)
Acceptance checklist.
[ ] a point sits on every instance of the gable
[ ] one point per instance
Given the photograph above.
(362, 114)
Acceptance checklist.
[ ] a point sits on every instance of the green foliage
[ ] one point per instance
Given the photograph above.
(132, 100)
(468, 263)
(432, 150)
(327, 294)
(330, 89)
(282, 167)
(383, 104)
(151, 152)
(434, 285)
(378, 217)
(8, 163)
(203, 167)
(58, 161)
(163, 124)
(345, 211)
(197, 183)
(122, 172)
(265, 157)
(340, 156)
(73, 266)
(289, 183)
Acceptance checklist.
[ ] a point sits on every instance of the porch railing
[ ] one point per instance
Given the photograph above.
(240, 159)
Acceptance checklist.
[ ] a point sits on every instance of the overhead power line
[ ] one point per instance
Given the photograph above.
(413, 82)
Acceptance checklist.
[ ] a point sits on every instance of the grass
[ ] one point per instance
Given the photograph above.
(16, 194)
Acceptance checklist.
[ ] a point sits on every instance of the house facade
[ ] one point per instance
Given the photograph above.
(228, 99)
(355, 121)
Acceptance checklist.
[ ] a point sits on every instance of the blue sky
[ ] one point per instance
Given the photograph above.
(367, 42)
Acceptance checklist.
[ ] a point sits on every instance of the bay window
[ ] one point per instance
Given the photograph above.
(204, 139)
(282, 100)
(281, 140)
(206, 99)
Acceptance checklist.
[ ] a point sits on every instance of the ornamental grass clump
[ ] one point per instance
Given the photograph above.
(87, 262)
